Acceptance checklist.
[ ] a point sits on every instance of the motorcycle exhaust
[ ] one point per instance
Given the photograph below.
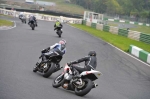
(95, 85)
(65, 85)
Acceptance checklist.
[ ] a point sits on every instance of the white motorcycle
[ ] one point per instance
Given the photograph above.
(80, 85)
(23, 19)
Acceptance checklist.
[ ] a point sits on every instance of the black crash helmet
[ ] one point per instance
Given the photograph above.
(92, 53)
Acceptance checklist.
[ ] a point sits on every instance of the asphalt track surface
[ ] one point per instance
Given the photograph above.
(123, 76)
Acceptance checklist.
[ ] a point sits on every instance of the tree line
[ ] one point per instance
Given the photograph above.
(138, 8)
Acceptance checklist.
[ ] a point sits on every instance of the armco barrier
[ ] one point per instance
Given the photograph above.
(140, 53)
(42, 17)
(54, 13)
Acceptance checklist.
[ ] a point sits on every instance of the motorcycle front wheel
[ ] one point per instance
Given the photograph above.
(58, 81)
(32, 27)
(85, 89)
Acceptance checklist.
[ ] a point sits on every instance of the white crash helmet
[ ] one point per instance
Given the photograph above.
(57, 20)
(62, 42)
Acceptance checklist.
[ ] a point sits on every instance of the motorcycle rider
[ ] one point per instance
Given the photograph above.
(90, 63)
(32, 18)
(21, 15)
(54, 50)
(57, 25)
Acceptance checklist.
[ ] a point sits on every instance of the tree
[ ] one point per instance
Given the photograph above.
(126, 7)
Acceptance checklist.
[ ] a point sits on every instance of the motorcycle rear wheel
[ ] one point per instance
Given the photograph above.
(85, 89)
(50, 70)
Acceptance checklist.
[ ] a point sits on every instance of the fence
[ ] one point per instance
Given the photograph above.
(41, 16)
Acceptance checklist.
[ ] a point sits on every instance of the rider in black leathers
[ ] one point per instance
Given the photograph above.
(32, 18)
(90, 63)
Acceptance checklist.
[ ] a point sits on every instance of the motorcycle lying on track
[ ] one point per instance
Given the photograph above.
(59, 31)
(80, 85)
(49, 67)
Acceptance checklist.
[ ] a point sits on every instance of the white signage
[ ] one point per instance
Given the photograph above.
(93, 17)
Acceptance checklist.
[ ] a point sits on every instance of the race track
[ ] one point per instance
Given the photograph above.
(123, 76)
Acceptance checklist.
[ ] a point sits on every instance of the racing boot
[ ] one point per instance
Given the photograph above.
(35, 69)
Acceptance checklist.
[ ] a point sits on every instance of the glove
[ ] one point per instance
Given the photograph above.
(43, 51)
(70, 63)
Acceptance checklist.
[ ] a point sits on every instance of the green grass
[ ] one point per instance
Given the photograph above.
(5, 23)
(139, 28)
(143, 29)
(61, 5)
(119, 41)
(112, 24)
(5, 15)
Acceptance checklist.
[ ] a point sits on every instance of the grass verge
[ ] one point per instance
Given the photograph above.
(5, 15)
(139, 28)
(143, 29)
(62, 6)
(5, 23)
(119, 41)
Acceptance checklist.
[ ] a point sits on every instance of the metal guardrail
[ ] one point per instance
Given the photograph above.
(55, 13)
(42, 16)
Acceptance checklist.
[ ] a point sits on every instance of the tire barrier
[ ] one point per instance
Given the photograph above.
(145, 38)
(123, 32)
(106, 28)
(135, 35)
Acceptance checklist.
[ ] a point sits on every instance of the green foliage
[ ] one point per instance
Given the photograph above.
(128, 7)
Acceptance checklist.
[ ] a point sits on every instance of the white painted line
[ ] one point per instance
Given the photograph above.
(10, 27)
(116, 48)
